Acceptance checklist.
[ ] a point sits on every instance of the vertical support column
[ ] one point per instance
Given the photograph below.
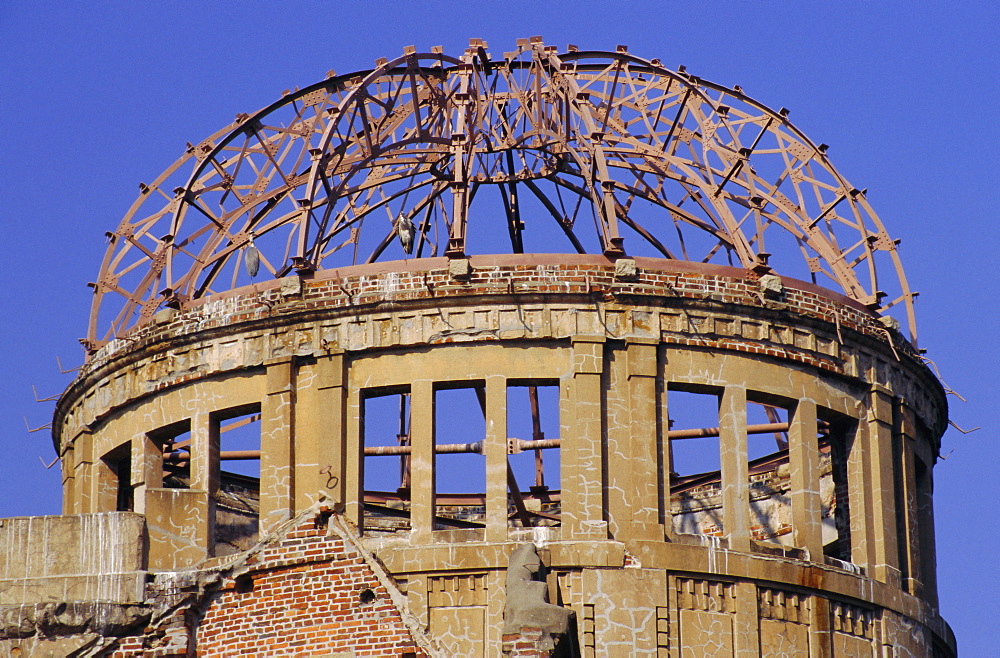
(907, 498)
(735, 473)
(277, 487)
(84, 450)
(496, 459)
(882, 535)
(319, 434)
(665, 462)
(147, 468)
(858, 477)
(204, 475)
(644, 490)
(581, 455)
(68, 467)
(820, 636)
(104, 486)
(746, 626)
(354, 459)
(422, 485)
(803, 461)
(925, 525)
(495, 600)
(616, 436)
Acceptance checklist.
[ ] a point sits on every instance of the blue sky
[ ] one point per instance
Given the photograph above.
(95, 97)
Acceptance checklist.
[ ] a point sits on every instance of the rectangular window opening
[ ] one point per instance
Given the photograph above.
(460, 462)
(385, 465)
(767, 468)
(237, 499)
(534, 481)
(119, 462)
(695, 459)
(835, 441)
(176, 442)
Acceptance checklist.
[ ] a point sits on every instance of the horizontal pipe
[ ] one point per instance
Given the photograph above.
(514, 445)
(182, 456)
(709, 432)
(519, 445)
(381, 451)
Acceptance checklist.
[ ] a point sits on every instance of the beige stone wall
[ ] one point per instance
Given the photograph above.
(89, 557)
(306, 356)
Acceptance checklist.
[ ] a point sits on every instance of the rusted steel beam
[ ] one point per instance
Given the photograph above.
(586, 132)
(514, 445)
(515, 494)
(181, 457)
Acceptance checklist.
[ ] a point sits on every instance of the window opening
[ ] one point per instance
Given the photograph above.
(696, 466)
(769, 479)
(534, 480)
(835, 443)
(386, 461)
(176, 442)
(119, 461)
(237, 500)
(460, 463)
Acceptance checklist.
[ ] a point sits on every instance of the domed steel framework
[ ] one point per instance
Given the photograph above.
(611, 153)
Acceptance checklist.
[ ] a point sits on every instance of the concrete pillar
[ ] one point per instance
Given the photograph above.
(664, 454)
(354, 459)
(882, 511)
(746, 626)
(925, 525)
(735, 476)
(495, 601)
(319, 436)
(820, 635)
(581, 450)
(422, 472)
(907, 496)
(83, 453)
(67, 465)
(277, 486)
(642, 467)
(858, 474)
(803, 461)
(103, 486)
(496, 458)
(204, 474)
(619, 498)
(147, 468)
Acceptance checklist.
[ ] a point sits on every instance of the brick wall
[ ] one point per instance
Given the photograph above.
(310, 593)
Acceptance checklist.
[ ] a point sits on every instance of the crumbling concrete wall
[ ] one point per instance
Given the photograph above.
(84, 557)
(68, 581)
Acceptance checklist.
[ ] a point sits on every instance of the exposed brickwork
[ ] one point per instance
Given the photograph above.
(526, 644)
(246, 305)
(311, 593)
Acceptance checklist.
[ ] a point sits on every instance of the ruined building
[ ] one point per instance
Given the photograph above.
(524, 353)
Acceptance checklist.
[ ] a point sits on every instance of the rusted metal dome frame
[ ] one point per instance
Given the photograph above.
(605, 128)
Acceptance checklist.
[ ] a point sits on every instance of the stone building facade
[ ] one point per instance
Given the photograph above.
(821, 544)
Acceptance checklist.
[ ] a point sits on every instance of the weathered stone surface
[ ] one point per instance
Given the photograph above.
(527, 603)
(649, 560)
(625, 269)
(771, 285)
(459, 268)
(71, 618)
(72, 558)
